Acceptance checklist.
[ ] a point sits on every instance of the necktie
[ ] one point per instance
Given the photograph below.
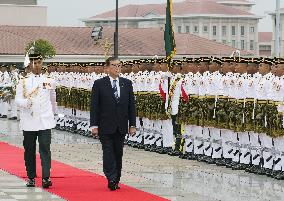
(114, 89)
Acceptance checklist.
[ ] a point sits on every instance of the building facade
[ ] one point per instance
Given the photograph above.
(228, 22)
(245, 5)
(265, 44)
(23, 15)
(281, 32)
(19, 2)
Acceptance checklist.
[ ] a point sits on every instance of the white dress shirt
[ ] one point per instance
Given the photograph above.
(117, 84)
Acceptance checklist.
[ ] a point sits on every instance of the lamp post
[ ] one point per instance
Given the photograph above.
(116, 32)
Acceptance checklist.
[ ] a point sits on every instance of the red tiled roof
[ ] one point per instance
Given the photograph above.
(265, 37)
(243, 1)
(188, 7)
(133, 42)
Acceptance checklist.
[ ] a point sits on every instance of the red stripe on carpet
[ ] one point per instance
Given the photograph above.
(69, 182)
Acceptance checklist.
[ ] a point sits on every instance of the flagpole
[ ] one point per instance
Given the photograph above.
(116, 32)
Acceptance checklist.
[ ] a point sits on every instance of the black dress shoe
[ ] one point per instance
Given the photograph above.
(269, 172)
(190, 156)
(13, 118)
(112, 185)
(174, 153)
(256, 169)
(210, 160)
(162, 150)
(239, 166)
(260, 171)
(199, 157)
(3, 116)
(46, 183)
(194, 156)
(30, 183)
(220, 162)
(183, 156)
(141, 146)
(117, 186)
(231, 164)
(279, 175)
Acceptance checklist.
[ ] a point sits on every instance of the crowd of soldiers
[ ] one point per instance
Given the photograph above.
(227, 112)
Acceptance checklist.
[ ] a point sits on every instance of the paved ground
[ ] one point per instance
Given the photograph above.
(166, 176)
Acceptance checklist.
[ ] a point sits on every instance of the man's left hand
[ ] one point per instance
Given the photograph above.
(132, 131)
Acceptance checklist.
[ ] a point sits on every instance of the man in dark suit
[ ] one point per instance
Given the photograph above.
(112, 116)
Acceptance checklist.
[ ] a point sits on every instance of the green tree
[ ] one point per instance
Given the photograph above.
(42, 47)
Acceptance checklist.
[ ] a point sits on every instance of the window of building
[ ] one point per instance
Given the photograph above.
(179, 29)
(195, 29)
(265, 47)
(224, 41)
(251, 45)
(233, 43)
(242, 44)
(242, 30)
(233, 30)
(205, 29)
(224, 30)
(214, 30)
(187, 29)
(251, 29)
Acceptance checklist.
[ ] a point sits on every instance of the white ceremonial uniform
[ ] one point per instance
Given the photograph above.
(177, 80)
(255, 149)
(36, 102)
(227, 135)
(266, 141)
(214, 89)
(5, 81)
(277, 89)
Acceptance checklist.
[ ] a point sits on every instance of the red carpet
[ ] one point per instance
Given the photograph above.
(71, 183)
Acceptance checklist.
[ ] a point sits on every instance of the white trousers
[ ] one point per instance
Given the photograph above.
(14, 108)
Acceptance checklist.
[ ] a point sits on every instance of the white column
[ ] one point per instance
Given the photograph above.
(220, 31)
(200, 28)
(256, 38)
(229, 32)
(247, 36)
(238, 35)
(210, 29)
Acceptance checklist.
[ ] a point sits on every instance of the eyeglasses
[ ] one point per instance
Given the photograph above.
(116, 65)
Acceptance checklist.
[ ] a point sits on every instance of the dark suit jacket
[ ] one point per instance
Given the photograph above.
(108, 114)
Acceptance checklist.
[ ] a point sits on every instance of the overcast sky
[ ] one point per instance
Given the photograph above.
(68, 12)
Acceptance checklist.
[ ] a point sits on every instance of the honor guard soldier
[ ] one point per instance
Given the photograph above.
(5, 91)
(35, 97)
(14, 76)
